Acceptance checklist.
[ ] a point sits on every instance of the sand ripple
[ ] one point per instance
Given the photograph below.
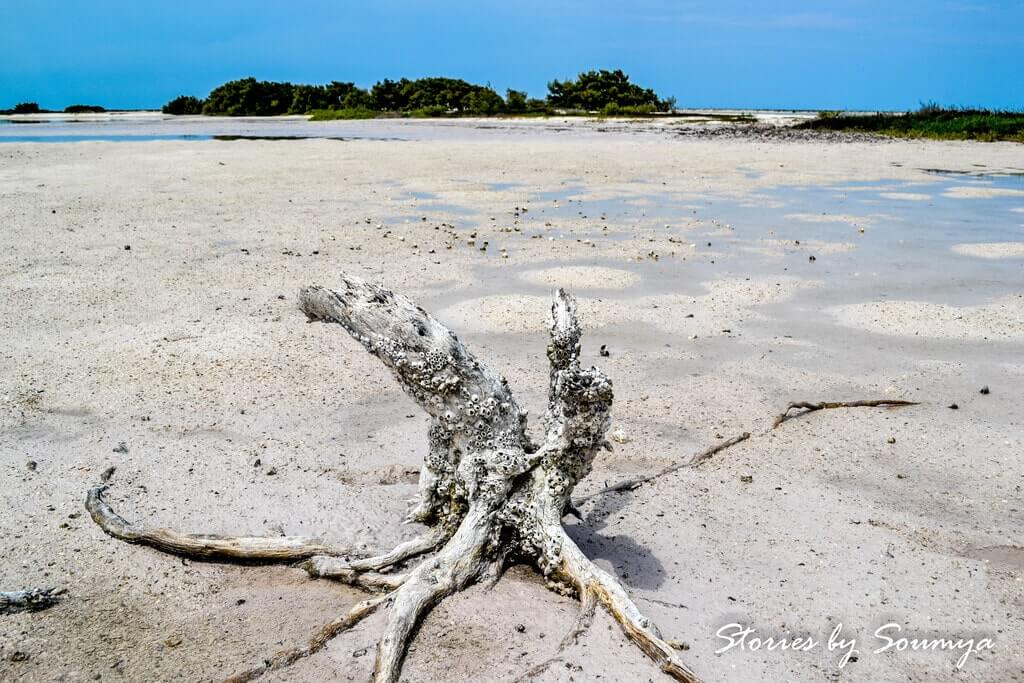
(1000, 320)
(855, 221)
(966, 192)
(991, 249)
(727, 302)
(582, 277)
(906, 196)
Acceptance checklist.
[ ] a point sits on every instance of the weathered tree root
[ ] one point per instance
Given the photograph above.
(488, 495)
(332, 567)
(811, 407)
(591, 579)
(205, 546)
(31, 600)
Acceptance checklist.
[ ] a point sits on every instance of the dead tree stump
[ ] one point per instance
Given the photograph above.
(487, 494)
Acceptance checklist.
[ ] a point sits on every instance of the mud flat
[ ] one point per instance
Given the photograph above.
(149, 323)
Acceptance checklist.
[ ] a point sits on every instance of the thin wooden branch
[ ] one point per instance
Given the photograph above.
(695, 460)
(317, 643)
(538, 669)
(811, 407)
(31, 600)
(206, 546)
(349, 571)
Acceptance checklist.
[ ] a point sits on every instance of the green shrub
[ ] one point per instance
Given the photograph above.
(183, 105)
(84, 109)
(536, 106)
(427, 96)
(432, 111)
(613, 109)
(596, 90)
(515, 101)
(26, 108)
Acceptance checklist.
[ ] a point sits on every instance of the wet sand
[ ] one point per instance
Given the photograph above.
(150, 301)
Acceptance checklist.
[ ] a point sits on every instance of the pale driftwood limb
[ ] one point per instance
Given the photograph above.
(492, 574)
(630, 484)
(31, 600)
(459, 563)
(476, 427)
(483, 478)
(569, 565)
(610, 593)
(205, 546)
(579, 400)
(811, 407)
(317, 643)
(332, 567)
(371, 581)
(588, 606)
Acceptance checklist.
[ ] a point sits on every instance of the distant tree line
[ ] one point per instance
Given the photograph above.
(33, 108)
(26, 108)
(186, 104)
(607, 92)
(83, 109)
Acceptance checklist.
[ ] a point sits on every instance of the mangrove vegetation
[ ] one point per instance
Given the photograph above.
(929, 121)
(604, 92)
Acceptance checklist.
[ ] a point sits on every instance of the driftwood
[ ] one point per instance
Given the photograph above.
(32, 600)
(488, 495)
(630, 484)
(811, 407)
(204, 546)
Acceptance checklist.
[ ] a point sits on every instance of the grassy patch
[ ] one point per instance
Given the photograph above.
(541, 114)
(930, 121)
(432, 112)
(714, 116)
(340, 114)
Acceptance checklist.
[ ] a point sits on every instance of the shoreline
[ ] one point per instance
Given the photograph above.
(238, 417)
(155, 126)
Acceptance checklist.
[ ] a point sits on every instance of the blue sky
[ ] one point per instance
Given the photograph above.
(858, 54)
